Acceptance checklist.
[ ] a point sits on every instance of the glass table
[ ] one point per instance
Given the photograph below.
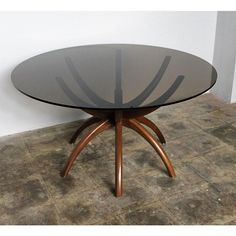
(118, 84)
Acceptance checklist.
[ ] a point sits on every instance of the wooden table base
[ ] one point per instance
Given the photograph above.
(105, 119)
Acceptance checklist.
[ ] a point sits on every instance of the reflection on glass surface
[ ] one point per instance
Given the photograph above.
(114, 76)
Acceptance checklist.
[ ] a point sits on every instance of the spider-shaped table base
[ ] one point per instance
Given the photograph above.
(105, 119)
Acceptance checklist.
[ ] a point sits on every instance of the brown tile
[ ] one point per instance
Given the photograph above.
(76, 182)
(226, 184)
(179, 152)
(163, 115)
(12, 151)
(224, 158)
(20, 195)
(197, 108)
(161, 186)
(226, 133)
(191, 177)
(97, 148)
(136, 193)
(229, 222)
(6, 219)
(142, 161)
(204, 104)
(37, 215)
(207, 121)
(202, 168)
(226, 113)
(83, 208)
(111, 220)
(102, 169)
(149, 215)
(42, 143)
(99, 170)
(49, 162)
(61, 128)
(100, 204)
(227, 206)
(179, 127)
(49, 165)
(12, 174)
(203, 207)
(14, 160)
(233, 124)
(202, 142)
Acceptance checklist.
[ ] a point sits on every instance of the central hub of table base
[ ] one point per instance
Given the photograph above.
(130, 118)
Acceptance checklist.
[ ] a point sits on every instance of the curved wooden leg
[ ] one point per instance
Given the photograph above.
(118, 161)
(152, 126)
(88, 122)
(103, 125)
(133, 124)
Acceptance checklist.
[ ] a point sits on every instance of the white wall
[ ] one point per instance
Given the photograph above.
(23, 35)
(233, 97)
(225, 56)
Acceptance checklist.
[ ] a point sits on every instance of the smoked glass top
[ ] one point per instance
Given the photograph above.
(114, 76)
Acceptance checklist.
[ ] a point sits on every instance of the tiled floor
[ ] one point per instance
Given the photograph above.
(201, 142)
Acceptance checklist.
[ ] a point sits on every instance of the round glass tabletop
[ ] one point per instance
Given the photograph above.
(114, 76)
